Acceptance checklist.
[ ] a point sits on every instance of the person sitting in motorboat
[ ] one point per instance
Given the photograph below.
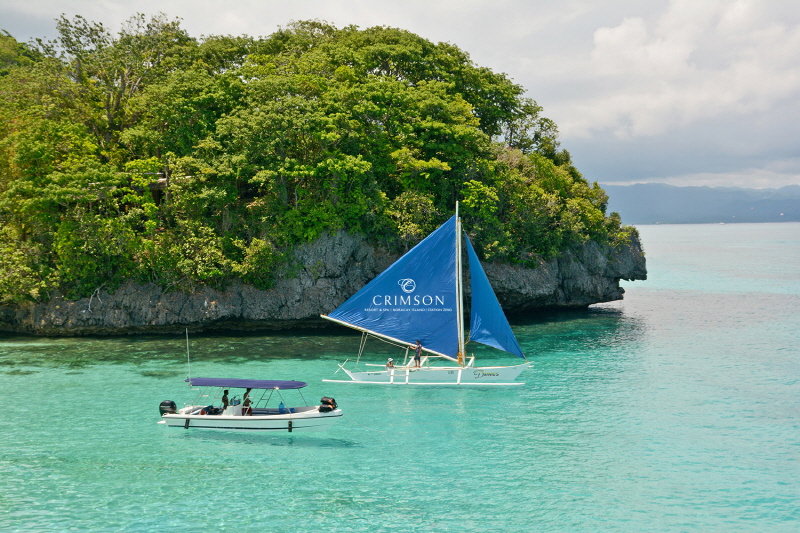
(224, 400)
(390, 364)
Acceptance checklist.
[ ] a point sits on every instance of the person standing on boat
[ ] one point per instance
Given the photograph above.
(417, 352)
(224, 400)
(390, 364)
(246, 403)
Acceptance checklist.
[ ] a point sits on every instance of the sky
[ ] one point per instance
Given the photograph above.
(684, 92)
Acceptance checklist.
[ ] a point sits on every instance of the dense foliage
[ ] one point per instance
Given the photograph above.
(155, 156)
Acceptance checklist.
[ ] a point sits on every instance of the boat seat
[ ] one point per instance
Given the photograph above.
(233, 410)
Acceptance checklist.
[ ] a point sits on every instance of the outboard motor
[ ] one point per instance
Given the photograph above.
(168, 406)
(327, 405)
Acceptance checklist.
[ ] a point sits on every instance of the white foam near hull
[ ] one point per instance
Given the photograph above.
(312, 420)
(487, 375)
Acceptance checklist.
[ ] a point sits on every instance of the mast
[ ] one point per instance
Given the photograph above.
(459, 292)
(188, 359)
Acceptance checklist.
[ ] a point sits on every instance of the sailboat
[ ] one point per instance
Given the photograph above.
(420, 298)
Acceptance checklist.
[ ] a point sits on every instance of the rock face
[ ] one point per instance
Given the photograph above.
(583, 276)
(331, 269)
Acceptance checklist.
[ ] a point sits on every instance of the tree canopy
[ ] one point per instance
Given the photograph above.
(156, 156)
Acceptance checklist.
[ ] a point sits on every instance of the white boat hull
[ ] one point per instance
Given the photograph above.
(311, 420)
(486, 375)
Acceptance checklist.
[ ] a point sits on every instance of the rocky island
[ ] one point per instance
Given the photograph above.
(333, 268)
(152, 181)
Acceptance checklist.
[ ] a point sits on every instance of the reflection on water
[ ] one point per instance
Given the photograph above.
(18, 372)
(77, 352)
(263, 439)
(538, 334)
(578, 332)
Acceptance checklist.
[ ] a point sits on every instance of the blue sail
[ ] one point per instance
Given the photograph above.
(488, 324)
(415, 298)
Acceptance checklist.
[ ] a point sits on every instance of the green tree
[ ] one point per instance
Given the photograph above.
(154, 156)
(100, 74)
(14, 54)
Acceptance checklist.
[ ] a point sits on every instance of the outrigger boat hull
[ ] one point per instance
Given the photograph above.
(468, 376)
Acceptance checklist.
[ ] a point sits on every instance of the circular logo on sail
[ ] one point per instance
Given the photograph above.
(408, 285)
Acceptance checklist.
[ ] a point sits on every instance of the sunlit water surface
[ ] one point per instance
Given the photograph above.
(675, 410)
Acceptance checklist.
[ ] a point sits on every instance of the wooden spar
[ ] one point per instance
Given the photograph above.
(188, 359)
(384, 337)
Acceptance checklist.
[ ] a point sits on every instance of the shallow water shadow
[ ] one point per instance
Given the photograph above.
(160, 373)
(18, 372)
(270, 439)
(545, 316)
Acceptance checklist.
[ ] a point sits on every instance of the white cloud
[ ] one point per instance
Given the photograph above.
(654, 75)
(660, 90)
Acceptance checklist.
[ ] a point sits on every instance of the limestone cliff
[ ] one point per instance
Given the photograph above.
(331, 269)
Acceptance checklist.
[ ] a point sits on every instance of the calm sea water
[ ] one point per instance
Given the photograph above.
(677, 409)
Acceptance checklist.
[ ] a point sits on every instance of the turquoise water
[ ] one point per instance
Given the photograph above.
(675, 410)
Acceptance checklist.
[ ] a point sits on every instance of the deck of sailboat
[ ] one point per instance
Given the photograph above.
(426, 383)
(485, 376)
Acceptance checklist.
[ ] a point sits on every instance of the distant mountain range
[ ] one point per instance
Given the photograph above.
(658, 203)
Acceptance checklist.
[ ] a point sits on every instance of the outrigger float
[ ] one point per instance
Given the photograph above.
(261, 407)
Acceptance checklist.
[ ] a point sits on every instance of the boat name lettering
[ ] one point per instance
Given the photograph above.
(415, 300)
(481, 374)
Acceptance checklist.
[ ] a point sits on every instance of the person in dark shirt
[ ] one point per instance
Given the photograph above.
(224, 400)
(417, 353)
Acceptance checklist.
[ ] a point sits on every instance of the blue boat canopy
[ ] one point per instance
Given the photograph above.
(246, 383)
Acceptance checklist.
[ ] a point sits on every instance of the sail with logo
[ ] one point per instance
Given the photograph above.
(419, 298)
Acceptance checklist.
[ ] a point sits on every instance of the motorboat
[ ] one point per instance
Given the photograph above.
(417, 303)
(249, 405)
